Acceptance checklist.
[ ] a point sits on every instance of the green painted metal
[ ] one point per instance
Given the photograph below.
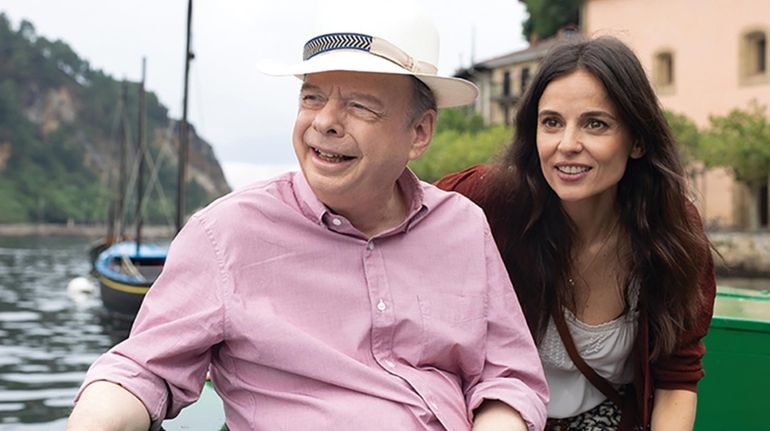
(735, 393)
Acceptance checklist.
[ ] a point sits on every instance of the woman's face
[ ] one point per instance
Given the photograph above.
(582, 144)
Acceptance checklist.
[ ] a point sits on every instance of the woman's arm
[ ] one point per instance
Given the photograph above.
(674, 410)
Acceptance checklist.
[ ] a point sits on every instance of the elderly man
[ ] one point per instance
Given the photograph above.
(351, 296)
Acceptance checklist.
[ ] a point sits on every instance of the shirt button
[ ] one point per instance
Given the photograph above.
(370, 246)
(336, 221)
(381, 305)
(389, 363)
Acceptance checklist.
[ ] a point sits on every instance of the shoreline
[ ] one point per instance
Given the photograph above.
(26, 229)
(738, 253)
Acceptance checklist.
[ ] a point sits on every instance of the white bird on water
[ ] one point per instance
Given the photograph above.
(80, 289)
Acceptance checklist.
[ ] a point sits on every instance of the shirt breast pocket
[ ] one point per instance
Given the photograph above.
(454, 327)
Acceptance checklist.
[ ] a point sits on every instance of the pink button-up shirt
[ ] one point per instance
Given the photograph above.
(306, 323)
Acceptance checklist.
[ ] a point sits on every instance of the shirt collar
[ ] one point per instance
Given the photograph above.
(315, 210)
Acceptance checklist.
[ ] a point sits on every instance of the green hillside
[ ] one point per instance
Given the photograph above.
(60, 134)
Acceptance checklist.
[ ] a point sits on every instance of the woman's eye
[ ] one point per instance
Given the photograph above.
(550, 122)
(596, 124)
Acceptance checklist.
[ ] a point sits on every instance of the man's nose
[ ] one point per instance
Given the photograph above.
(329, 119)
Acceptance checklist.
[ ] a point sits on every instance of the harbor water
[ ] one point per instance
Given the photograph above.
(50, 335)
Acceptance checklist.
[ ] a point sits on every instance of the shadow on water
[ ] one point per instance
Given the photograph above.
(49, 335)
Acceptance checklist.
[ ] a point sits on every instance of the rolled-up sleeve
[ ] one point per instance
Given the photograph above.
(512, 371)
(165, 360)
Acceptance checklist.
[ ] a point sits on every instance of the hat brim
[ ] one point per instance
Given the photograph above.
(448, 91)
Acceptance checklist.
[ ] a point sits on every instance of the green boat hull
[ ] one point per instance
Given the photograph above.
(735, 393)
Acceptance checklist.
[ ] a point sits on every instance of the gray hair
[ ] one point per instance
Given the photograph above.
(423, 100)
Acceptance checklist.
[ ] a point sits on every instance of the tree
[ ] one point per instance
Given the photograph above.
(547, 17)
(686, 135)
(461, 140)
(740, 141)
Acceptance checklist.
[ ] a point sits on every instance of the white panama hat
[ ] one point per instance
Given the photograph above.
(379, 36)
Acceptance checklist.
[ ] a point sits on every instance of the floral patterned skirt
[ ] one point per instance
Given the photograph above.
(604, 417)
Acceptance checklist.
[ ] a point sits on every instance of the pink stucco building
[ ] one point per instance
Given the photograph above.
(704, 57)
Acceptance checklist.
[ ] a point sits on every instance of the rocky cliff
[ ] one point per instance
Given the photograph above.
(62, 127)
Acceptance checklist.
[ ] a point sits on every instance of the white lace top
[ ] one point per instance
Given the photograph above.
(605, 347)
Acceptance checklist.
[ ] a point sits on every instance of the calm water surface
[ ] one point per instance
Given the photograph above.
(49, 337)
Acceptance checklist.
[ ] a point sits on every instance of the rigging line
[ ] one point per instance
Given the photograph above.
(169, 138)
(155, 166)
(111, 143)
(122, 148)
(131, 185)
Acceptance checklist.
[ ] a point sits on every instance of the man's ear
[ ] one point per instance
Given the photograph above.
(422, 133)
(638, 150)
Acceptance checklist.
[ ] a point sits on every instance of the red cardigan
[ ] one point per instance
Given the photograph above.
(680, 370)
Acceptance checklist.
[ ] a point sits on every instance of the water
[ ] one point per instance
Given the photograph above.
(49, 337)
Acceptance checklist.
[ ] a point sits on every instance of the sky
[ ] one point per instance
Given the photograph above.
(246, 116)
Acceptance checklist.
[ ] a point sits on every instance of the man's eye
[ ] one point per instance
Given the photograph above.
(361, 107)
(311, 99)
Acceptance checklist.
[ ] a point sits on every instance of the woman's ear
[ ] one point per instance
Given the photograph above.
(637, 151)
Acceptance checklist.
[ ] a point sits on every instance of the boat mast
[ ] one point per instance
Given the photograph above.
(141, 148)
(184, 132)
(120, 217)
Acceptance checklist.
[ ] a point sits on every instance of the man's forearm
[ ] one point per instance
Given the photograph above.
(106, 406)
(495, 415)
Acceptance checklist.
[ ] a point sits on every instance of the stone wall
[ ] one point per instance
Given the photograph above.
(744, 254)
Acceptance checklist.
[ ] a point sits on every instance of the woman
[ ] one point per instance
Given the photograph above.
(590, 211)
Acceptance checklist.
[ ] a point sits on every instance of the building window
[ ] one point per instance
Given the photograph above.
(524, 79)
(506, 83)
(757, 47)
(663, 71)
(753, 57)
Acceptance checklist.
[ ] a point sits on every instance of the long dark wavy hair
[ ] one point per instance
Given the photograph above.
(667, 246)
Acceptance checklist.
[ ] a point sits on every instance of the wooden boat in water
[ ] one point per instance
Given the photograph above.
(125, 273)
(127, 269)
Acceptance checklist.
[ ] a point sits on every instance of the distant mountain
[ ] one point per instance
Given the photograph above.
(60, 134)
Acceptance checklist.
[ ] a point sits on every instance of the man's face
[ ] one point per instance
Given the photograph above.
(352, 137)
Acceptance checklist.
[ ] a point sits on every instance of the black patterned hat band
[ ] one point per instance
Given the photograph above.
(373, 45)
